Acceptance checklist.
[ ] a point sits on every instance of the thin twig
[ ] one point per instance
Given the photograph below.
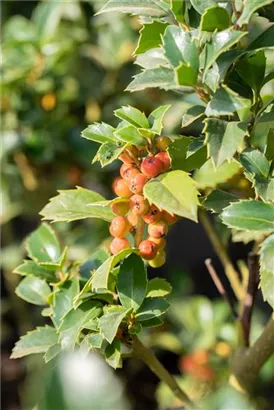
(220, 286)
(252, 287)
(139, 231)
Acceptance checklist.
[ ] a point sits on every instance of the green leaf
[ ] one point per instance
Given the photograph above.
(254, 162)
(264, 188)
(95, 340)
(187, 153)
(179, 48)
(263, 41)
(33, 290)
(225, 102)
(36, 341)
(217, 200)
(132, 116)
(113, 354)
(156, 118)
(94, 262)
(269, 149)
(209, 177)
(100, 279)
(32, 268)
(138, 7)
(158, 287)
(110, 322)
(63, 300)
(267, 254)
(150, 36)
(175, 192)
(178, 9)
(247, 236)
(215, 18)
(132, 282)
(130, 134)
(152, 308)
(249, 215)
(75, 321)
(43, 246)
(192, 114)
(74, 204)
(154, 322)
(99, 132)
(52, 352)
(223, 139)
(202, 5)
(161, 77)
(108, 152)
(252, 70)
(186, 75)
(250, 6)
(267, 286)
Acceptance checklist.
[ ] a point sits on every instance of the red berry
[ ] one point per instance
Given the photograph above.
(162, 143)
(119, 227)
(159, 242)
(154, 214)
(120, 208)
(151, 167)
(137, 183)
(157, 229)
(121, 188)
(119, 244)
(132, 218)
(138, 204)
(128, 171)
(147, 249)
(127, 159)
(159, 260)
(164, 157)
(169, 219)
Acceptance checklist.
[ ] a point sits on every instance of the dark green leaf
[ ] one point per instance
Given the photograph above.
(263, 41)
(217, 200)
(175, 192)
(139, 7)
(186, 75)
(94, 262)
(75, 204)
(252, 70)
(209, 177)
(33, 290)
(161, 77)
(37, 341)
(202, 5)
(33, 269)
(269, 151)
(187, 153)
(215, 18)
(178, 9)
(249, 8)
(43, 246)
(100, 133)
(254, 162)
(249, 215)
(156, 119)
(264, 188)
(63, 300)
(150, 36)
(113, 354)
(110, 322)
(223, 139)
(132, 282)
(154, 322)
(132, 116)
(158, 287)
(225, 102)
(192, 114)
(152, 308)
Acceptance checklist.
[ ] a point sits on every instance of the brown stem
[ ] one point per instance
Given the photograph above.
(153, 363)
(220, 250)
(139, 231)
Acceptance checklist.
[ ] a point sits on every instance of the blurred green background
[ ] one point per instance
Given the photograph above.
(64, 68)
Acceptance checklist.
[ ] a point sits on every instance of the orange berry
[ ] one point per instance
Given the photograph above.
(132, 218)
(119, 244)
(154, 214)
(138, 204)
(128, 171)
(164, 157)
(162, 143)
(127, 159)
(151, 166)
(147, 249)
(137, 183)
(119, 227)
(120, 208)
(157, 229)
(121, 188)
(159, 242)
(169, 219)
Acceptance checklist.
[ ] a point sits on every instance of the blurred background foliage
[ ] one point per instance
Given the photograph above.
(64, 68)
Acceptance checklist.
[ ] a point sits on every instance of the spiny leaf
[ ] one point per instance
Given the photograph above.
(113, 354)
(34, 269)
(254, 162)
(215, 18)
(99, 132)
(132, 116)
(33, 290)
(150, 36)
(42, 245)
(139, 7)
(250, 6)
(217, 200)
(161, 77)
(110, 322)
(63, 300)
(152, 308)
(158, 287)
(225, 102)
(209, 177)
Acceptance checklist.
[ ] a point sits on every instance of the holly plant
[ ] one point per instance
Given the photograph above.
(217, 57)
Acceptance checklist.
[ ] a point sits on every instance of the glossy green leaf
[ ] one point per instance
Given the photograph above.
(75, 321)
(225, 102)
(179, 48)
(100, 279)
(178, 9)
(267, 285)
(249, 215)
(254, 162)
(152, 308)
(161, 77)
(158, 287)
(99, 132)
(215, 18)
(217, 200)
(109, 152)
(94, 262)
(52, 352)
(36, 341)
(192, 114)
(267, 254)
(150, 36)
(138, 7)
(174, 192)
(154, 322)
(132, 116)
(132, 282)
(263, 41)
(250, 6)
(269, 149)
(33, 290)
(42, 245)
(63, 300)
(202, 5)
(264, 188)
(110, 322)
(32, 268)
(187, 153)
(186, 75)
(151, 59)
(252, 70)
(209, 177)
(156, 118)
(74, 204)
(223, 138)
(113, 354)
(129, 134)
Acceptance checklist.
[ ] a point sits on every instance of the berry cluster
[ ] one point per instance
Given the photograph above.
(134, 211)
